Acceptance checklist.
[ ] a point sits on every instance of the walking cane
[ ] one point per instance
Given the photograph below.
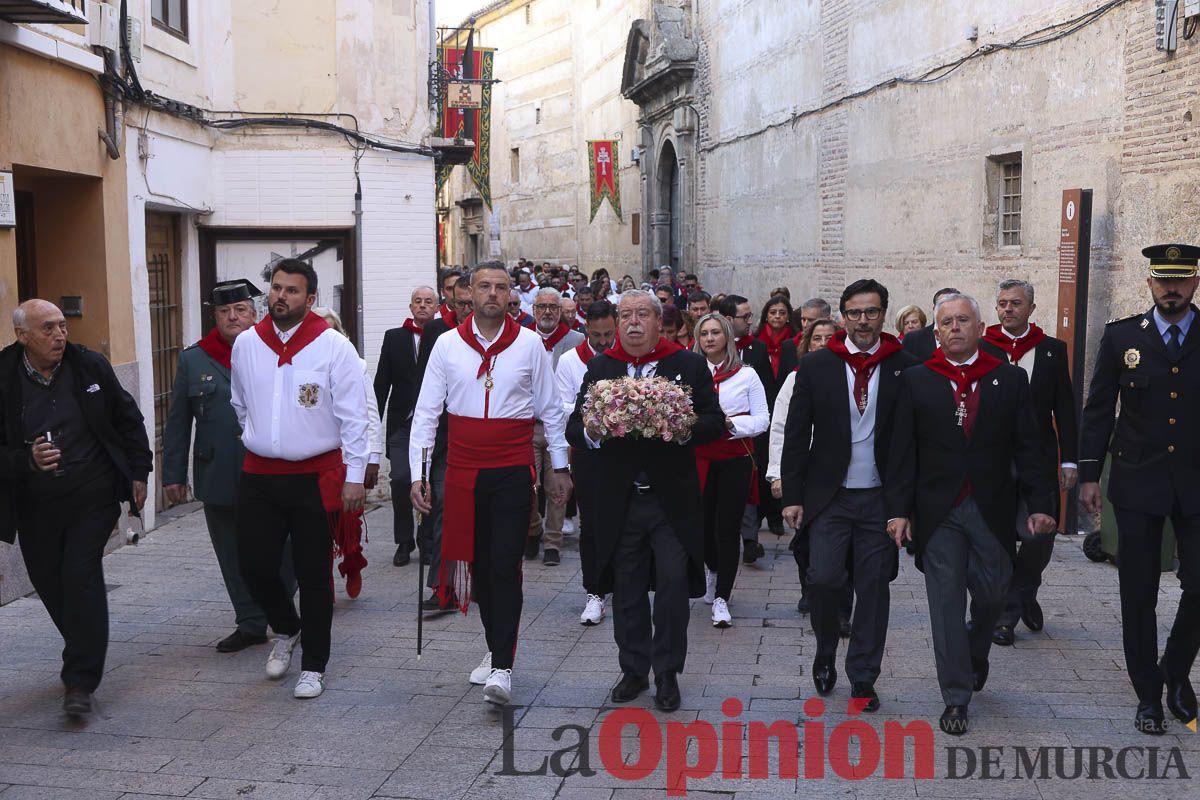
(421, 559)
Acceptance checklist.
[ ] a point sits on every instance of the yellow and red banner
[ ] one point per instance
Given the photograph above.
(452, 122)
(603, 172)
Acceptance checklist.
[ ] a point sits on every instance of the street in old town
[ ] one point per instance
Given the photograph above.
(175, 718)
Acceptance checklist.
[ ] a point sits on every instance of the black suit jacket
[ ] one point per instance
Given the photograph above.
(670, 467)
(1155, 442)
(398, 379)
(109, 411)
(931, 455)
(922, 343)
(816, 443)
(754, 355)
(1054, 402)
(428, 337)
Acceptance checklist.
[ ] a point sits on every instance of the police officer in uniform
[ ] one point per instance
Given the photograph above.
(201, 395)
(1152, 362)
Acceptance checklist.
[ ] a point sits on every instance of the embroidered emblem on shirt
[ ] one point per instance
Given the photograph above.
(309, 395)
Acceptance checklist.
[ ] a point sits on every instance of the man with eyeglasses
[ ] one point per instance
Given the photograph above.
(557, 338)
(754, 355)
(834, 459)
(517, 312)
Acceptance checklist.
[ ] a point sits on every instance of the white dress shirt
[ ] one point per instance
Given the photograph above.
(374, 424)
(268, 399)
(783, 401)
(743, 395)
(523, 388)
(568, 376)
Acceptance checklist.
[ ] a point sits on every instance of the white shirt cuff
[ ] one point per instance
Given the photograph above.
(1069, 465)
(355, 474)
(373, 458)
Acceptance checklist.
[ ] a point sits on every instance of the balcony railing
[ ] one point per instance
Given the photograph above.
(61, 12)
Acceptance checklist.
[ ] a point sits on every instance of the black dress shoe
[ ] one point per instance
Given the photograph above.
(532, 545)
(824, 676)
(865, 691)
(777, 529)
(433, 605)
(239, 641)
(550, 558)
(979, 674)
(844, 627)
(667, 697)
(751, 551)
(1181, 698)
(1031, 615)
(1003, 635)
(629, 687)
(802, 605)
(77, 702)
(401, 558)
(1150, 720)
(955, 720)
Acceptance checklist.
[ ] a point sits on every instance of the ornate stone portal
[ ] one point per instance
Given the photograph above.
(660, 65)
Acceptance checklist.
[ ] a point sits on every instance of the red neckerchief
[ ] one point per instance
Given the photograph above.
(888, 346)
(309, 329)
(585, 352)
(963, 377)
(526, 321)
(742, 342)
(722, 374)
(217, 348)
(690, 344)
(416, 329)
(660, 351)
(774, 342)
(556, 337)
(448, 317)
(508, 335)
(1015, 348)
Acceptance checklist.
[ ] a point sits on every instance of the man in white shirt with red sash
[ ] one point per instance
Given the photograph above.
(494, 379)
(299, 395)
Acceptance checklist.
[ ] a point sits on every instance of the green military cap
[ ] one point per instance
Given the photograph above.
(1172, 260)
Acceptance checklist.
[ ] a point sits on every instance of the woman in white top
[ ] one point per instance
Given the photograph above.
(726, 467)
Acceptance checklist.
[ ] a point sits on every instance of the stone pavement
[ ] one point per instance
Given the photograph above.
(178, 719)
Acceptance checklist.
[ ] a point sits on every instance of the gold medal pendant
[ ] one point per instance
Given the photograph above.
(487, 383)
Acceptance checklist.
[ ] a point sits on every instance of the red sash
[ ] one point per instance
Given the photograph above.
(724, 449)
(217, 348)
(660, 351)
(475, 444)
(1015, 348)
(557, 336)
(774, 342)
(309, 329)
(585, 352)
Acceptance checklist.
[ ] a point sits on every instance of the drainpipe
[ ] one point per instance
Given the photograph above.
(360, 266)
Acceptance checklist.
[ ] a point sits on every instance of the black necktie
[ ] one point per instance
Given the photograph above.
(1173, 342)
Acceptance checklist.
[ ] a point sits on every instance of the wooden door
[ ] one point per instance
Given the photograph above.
(166, 328)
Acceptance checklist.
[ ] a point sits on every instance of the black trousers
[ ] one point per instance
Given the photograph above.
(853, 524)
(401, 484)
(503, 502)
(725, 493)
(1139, 548)
(801, 554)
(583, 470)
(62, 544)
(648, 542)
(272, 508)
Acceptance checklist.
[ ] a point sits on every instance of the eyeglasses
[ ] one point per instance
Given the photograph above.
(855, 314)
(463, 304)
(514, 303)
(545, 307)
(747, 317)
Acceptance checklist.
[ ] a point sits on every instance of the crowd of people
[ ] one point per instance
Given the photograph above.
(950, 440)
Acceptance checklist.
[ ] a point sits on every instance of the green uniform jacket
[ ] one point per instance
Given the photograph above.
(202, 393)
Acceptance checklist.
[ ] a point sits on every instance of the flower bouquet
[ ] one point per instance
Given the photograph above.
(639, 408)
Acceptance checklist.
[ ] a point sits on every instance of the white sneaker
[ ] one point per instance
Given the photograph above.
(281, 656)
(499, 687)
(593, 612)
(480, 674)
(710, 586)
(720, 614)
(568, 526)
(310, 685)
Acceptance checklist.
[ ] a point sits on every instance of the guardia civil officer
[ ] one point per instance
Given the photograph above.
(1152, 362)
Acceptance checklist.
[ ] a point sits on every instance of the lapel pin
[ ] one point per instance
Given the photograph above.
(897, 373)
(1145, 324)
(995, 381)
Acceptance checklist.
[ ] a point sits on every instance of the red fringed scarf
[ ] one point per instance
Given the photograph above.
(557, 336)
(774, 342)
(215, 346)
(661, 350)
(1015, 348)
(309, 329)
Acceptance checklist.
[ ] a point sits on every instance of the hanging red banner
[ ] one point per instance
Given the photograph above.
(453, 120)
(603, 173)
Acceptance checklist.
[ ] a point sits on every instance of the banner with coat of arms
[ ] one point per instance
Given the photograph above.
(605, 181)
(452, 121)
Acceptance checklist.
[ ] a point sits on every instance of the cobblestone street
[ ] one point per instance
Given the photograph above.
(176, 718)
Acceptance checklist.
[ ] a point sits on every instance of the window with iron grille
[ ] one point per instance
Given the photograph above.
(170, 16)
(1010, 204)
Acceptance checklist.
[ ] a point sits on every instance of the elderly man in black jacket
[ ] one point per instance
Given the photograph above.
(648, 529)
(73, 446)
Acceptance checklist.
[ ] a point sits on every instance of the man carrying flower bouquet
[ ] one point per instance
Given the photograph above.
(645, 403)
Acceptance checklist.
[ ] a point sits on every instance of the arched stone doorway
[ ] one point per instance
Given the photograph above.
(667, 218)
